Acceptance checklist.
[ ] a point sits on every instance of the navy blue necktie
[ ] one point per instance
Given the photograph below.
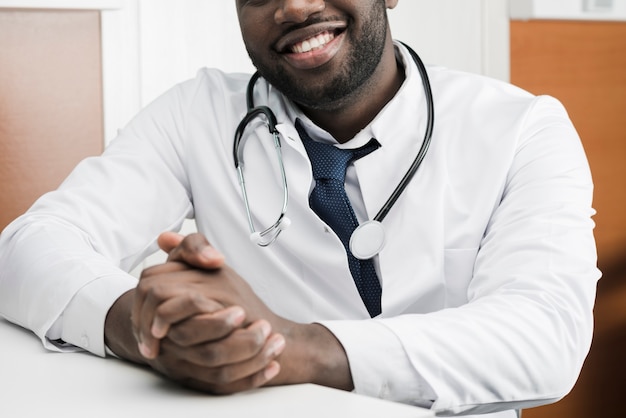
(329, 200)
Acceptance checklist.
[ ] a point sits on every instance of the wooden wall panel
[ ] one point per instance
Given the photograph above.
(584, 65)
(50, 101)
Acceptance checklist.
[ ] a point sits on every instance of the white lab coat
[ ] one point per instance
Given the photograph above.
(488, 273)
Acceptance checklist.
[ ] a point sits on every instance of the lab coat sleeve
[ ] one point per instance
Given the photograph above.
(64, 262)
(522, 337)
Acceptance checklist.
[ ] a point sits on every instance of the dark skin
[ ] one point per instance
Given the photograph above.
(319, 73)
(193, 318)
(196, 308)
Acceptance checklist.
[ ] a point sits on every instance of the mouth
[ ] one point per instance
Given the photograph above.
(311, 38)
(311, 44)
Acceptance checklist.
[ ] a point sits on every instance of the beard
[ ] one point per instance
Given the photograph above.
(333, 93)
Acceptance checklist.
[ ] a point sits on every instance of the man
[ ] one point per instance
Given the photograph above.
(486, 280)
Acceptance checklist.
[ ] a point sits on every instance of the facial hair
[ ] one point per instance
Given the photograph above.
(366, 54)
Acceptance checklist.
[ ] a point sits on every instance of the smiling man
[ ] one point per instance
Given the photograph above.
(477, 299)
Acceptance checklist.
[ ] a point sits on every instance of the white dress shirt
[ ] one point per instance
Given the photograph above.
(488, 272)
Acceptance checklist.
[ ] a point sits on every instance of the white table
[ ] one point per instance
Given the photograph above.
(38, 383)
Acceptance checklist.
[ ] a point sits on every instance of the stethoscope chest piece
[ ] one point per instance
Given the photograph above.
(367, 240)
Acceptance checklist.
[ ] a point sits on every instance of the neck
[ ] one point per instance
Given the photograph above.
(349, 118)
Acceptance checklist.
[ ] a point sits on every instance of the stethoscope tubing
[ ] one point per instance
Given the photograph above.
(371, 230)
(384, 210)
(270, 119)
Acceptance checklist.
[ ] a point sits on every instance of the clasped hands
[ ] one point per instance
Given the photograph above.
(190, 322)
(196, 321)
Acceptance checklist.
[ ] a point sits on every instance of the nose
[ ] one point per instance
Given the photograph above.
(297, 11)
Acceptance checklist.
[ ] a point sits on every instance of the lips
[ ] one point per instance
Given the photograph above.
(315, 42)
(310, 37)
(312, 46)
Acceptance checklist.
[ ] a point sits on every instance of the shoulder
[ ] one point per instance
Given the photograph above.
(477, 92)
(491, 105)
(463, 89)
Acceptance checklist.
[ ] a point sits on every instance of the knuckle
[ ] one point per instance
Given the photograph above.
(174, 255)
(153, 291)
(182, 336)
(219, 328)
(148, 272)
(146, 287)
(162, 312)
(211, 354)
(190, 241)
(197, 300)
(194, 243)
(142, 287)
(250, 342)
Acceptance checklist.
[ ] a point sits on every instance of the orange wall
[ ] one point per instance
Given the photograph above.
(584, 65)
(50, 101)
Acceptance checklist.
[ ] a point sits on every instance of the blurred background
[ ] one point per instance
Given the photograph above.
(72, 72)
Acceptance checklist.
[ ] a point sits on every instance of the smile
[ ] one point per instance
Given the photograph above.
(315, 42)
(312, 46)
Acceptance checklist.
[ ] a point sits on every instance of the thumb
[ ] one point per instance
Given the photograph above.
(193, 249)
(169, 240)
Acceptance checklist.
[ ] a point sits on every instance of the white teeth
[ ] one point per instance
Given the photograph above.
(313, 43)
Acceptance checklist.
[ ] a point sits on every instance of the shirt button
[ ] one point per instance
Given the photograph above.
(84, 341)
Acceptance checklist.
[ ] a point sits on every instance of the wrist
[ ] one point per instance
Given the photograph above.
(314, 355)
(118, 332)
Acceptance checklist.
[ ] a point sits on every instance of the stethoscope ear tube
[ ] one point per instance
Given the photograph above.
(430, 124)
(270, 234)
(368, 239)
(270, 119)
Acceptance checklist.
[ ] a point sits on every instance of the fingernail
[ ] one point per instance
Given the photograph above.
(271, 370)
(236, 316)
(277, 345)
(158, 328)
(210, 253)
(145, 350)
(266, 329)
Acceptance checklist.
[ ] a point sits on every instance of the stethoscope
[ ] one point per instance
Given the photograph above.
(368, 239)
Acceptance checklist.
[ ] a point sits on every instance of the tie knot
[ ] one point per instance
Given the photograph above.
(328, 161)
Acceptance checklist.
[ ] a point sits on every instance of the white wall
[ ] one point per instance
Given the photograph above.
(150, 45)
(469, 35)
(444, 32)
